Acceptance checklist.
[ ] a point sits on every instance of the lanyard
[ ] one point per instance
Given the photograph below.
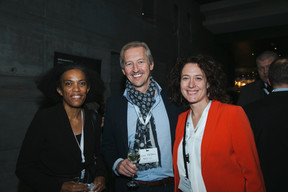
(185, 156)
(141, 117)
(81, 145)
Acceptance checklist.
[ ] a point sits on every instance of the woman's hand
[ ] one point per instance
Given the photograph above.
(99, 183)
(71, 186)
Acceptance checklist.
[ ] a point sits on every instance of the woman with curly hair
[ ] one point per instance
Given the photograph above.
(62, 144)
(214, 147)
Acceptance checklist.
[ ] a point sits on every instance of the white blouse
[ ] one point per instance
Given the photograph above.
(194, 138)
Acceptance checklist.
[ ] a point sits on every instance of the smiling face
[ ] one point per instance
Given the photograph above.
(137, 68)
(194, 84)
(73, 88)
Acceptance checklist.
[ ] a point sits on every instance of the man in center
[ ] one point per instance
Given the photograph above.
(144, 116)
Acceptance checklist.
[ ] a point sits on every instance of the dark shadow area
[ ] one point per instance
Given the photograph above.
(22, 187)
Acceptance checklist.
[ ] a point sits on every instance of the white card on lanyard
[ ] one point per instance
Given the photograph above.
(148, 155)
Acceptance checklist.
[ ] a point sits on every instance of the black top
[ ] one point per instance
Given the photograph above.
(78, 137)
(50, 154)
(251, 92)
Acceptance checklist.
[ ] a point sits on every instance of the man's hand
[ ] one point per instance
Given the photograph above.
(127, 168)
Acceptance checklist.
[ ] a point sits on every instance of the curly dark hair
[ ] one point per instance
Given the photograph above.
(213, 72)
(48, 83)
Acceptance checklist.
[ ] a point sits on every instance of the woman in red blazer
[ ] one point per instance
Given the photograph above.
(214, 147)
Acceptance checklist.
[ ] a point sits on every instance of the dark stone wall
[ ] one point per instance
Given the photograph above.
(32, 31)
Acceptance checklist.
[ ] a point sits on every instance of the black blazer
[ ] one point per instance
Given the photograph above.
(251, 93)
(50, 154)
(115, 136)
(268, 118)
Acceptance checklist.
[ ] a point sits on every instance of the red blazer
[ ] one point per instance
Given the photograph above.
(229, 157)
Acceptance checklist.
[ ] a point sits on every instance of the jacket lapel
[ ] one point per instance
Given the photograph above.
(169, 112)
(122, 118)
(172, 111)
(209, 130)
(89, 134)
(68, 135)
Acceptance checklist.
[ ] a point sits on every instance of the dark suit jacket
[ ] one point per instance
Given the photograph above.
(268, 118)
(251, 92)
(50, 154)
(115, 136)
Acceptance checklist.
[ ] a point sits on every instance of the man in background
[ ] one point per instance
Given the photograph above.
(260, 88)
(268, 118)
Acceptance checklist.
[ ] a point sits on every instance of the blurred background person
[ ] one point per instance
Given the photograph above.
(260, 88)
(268, 118)
(62, 144)
(214, 147)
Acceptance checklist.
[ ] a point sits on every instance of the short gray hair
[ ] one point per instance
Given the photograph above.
(266, 55)
(135, 44)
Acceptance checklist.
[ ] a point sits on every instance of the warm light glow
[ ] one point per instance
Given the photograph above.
(142, 13)
(243, 82)
(244, 76)
(252, 53)
(275, 48)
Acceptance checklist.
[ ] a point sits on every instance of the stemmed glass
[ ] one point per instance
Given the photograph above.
(85, 180)
(134, 157)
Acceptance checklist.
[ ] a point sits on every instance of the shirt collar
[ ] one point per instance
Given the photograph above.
(280, 89)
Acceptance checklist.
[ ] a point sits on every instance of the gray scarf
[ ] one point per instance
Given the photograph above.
(142, 134)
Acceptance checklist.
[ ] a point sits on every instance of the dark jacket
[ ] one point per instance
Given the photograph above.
(268, 118)
(251, 92)
(115, 136)
(50, 154)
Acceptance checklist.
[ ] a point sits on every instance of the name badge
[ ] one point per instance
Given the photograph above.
(185, 185)
(148, 155)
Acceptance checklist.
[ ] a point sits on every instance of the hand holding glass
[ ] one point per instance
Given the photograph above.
(134, 157)
(85, 181)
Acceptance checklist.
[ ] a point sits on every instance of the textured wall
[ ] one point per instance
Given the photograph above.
(31, 31)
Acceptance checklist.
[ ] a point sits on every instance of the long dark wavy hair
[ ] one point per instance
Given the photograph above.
(48, 83)
(213, 72)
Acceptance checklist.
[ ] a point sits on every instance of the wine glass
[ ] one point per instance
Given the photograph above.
(85, 180)
(134, 157)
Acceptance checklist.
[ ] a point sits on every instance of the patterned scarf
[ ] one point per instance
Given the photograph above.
(143, 139)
